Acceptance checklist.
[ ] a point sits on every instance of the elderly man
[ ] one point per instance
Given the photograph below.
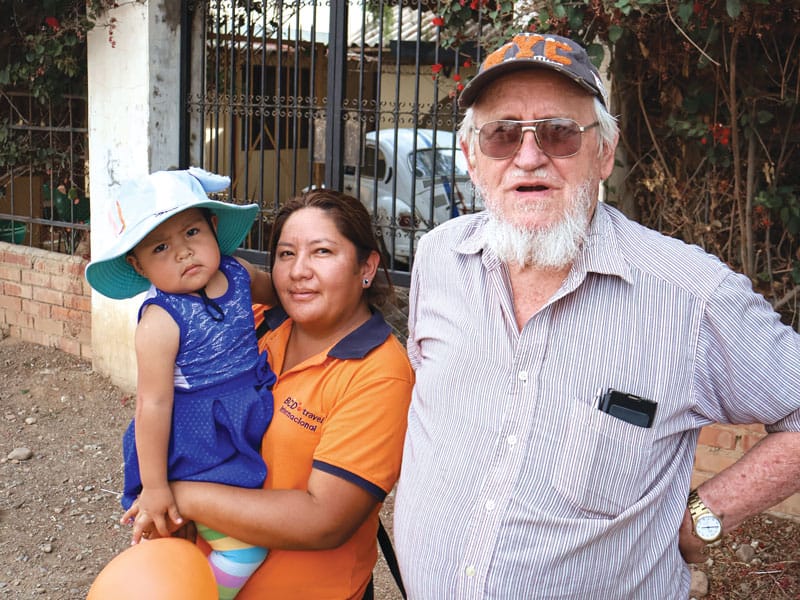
(566, 359)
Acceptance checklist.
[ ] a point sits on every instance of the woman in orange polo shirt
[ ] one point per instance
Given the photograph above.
(334, 446)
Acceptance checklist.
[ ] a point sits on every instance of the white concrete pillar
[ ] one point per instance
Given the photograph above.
(134, 109)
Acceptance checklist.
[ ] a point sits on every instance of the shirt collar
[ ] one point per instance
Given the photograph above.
(356, 344)
(600, 253)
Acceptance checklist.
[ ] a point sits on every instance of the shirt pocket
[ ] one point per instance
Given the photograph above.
(601, 467)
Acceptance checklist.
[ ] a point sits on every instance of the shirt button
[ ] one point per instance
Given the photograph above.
(469, 571)
(512, 440)
(490, 505)
(523, 376)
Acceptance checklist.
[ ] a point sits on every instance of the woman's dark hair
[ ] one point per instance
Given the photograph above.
(352, 221)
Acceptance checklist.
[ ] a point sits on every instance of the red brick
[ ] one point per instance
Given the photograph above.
(45, 264)
(755, 427)
(15, 289)
(714, 461)
(59, 313)
(75, 268)
(718, 436)
(36, 278)
(10, 273)
(48, 296)
(67, 283)
(15, 258)
(751, 439)
(45, 299)
(37, 309)
(78, 302)
(23, 320)
(10, 302)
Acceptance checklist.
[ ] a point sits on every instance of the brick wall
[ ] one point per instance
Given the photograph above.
(45, 299)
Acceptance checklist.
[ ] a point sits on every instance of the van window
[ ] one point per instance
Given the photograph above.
(374, 163)
(441, 160)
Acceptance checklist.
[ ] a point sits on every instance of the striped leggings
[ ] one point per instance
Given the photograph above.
(232, 561)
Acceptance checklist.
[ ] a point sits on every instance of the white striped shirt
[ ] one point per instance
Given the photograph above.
(514, 485)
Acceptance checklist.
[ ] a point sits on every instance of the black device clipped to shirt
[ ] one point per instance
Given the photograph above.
(627, 407)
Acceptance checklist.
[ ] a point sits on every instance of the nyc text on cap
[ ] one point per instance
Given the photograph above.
(536, 50)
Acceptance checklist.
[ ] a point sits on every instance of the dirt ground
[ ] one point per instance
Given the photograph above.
(59, 507)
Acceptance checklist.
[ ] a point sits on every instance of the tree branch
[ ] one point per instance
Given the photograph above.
(684, 34)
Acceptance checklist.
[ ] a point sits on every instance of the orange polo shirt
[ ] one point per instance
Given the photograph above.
(344, 412)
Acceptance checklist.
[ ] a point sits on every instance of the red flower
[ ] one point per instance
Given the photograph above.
(460, 87)
(467, 63)
(52, 23)
(436, 68)
(456, 77)
(437, 21)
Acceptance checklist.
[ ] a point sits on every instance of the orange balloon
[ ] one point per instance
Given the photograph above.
(160, 569)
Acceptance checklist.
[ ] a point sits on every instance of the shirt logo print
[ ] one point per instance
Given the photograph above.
(293, 410)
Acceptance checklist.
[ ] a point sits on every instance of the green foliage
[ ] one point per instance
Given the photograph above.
(460, 19)
(43, 59)
(783, 201)
(709, 110)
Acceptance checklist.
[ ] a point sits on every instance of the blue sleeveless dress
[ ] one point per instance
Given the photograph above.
(223, 398)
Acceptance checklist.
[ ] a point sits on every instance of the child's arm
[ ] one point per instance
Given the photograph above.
(260, 284)
(157, 339)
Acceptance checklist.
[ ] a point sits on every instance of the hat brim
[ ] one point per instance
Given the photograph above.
(478, 84)
(112, 275)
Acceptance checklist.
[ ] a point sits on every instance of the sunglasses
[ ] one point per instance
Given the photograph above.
(558, 138)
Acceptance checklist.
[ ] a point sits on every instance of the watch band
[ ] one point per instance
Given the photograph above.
(696, 505)
(698, 509)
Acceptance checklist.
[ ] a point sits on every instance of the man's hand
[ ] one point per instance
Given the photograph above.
(692, 548)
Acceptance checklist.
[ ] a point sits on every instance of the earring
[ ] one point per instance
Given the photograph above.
(366, 282)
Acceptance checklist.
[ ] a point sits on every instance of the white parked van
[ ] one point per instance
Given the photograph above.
(411, 184)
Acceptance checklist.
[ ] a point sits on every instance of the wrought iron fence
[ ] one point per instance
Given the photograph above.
(281, 96)
(42, 186)
(356, 96)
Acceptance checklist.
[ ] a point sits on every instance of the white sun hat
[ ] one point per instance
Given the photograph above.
(141, 205)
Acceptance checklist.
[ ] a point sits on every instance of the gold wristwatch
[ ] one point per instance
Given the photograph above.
(707, 525)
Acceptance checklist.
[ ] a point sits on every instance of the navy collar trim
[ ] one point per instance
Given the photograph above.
(356, 344)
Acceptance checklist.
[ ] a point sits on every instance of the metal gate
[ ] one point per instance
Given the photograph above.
(358, 96)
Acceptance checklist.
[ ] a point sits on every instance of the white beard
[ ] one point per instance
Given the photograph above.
(552, 247)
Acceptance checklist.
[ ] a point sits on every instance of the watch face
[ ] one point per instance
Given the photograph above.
(708, 528)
